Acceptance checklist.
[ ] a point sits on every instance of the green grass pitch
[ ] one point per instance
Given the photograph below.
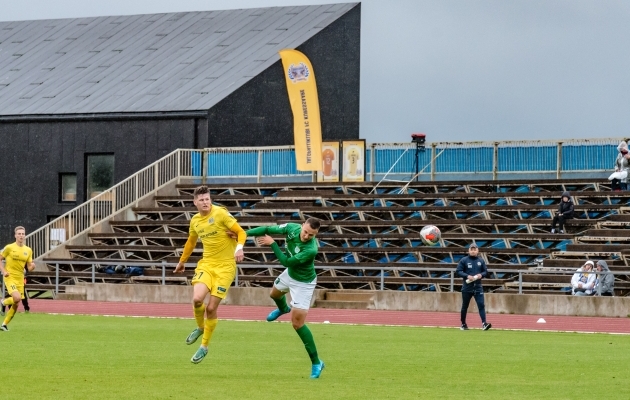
(80, 357)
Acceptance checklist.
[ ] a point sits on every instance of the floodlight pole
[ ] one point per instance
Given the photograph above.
(419, 140)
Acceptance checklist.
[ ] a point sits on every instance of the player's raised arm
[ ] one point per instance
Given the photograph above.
(188, 249)
(267, 230)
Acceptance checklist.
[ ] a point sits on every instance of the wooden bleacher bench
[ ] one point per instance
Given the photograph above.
(559, 262)
(620, 218)
(445, 235)
(153, 235)
(539, 285)
(303, 194)
(599, 248)
(276, 205)
(37, 286)
(474, 207)
(608, 233)
(533, 291)
(582, 254)
(216, 197)
(159, 279)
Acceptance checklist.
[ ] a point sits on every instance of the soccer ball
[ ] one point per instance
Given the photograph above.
(430, 235)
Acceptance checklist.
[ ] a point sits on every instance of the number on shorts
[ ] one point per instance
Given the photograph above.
(13, 288)
(197, 277)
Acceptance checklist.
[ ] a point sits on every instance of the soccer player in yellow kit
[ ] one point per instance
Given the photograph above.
(17, 256)
(216, 270)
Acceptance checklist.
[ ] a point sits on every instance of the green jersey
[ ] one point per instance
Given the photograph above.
(301, 258)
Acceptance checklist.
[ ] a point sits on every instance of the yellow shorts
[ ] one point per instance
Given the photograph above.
(14, 285)
(217, 276)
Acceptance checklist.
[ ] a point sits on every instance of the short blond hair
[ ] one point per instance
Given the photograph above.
(17, 228)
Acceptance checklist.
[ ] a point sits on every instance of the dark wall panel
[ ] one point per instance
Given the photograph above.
(33, 154)
(259, 113)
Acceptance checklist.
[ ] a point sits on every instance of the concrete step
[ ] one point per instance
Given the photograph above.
(76, 289)
(71, 296)
(343, 304)
(349, 296)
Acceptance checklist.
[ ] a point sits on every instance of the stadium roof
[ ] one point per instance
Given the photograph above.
(146, 63)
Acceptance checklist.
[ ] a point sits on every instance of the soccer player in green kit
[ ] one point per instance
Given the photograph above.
(299, 278)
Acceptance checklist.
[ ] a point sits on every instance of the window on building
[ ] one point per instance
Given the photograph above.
(100, 173)
(68, 187)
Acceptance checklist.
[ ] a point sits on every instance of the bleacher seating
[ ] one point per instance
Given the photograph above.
(368, 228)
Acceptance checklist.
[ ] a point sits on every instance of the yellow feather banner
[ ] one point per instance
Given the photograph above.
(307, 128)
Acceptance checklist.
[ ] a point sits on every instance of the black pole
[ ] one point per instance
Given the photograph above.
(417, 162)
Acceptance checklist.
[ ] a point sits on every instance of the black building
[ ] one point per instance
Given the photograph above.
(86, 102)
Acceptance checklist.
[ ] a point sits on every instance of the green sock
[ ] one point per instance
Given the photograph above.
(282, 304)
(309, 343)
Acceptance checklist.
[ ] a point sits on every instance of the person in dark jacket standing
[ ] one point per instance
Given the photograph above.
(565, 212)
(472, 269)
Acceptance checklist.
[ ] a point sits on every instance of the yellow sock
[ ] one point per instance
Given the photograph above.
(10, 314)
(208, 328)
(8, 301)
(199, 314)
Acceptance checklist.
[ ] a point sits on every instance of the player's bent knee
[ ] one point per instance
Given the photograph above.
(211, 309)
(197, 302)
(297, 324)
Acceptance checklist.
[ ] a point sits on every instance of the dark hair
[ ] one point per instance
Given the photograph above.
(314, 223)
(200, 190)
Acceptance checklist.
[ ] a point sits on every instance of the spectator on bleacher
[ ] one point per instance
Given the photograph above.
(618, 180)
(565, 212)
(604, 283)
(583, 280)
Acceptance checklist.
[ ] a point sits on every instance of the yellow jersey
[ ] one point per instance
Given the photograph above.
(16, 258)
(212, 230)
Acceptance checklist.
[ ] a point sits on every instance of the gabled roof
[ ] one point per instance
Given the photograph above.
(146, 63)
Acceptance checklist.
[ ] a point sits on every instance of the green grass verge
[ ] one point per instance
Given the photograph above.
(79, 357)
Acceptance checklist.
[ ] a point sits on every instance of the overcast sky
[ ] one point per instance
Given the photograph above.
(458, 70)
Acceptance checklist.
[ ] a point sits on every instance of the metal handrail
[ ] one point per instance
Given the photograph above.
(103, 206)
(382, 270)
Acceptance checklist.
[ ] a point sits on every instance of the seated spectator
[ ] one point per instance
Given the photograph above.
(618, 180)
(583, 280)
(565, 211)
(605, 283)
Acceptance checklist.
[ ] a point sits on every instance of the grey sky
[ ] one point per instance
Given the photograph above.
(459, 70)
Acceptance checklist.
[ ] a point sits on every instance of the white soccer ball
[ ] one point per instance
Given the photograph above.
(430, 235)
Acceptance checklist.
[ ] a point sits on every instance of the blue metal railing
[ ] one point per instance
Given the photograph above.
(588, 157)
(438, 159)
(522, 159)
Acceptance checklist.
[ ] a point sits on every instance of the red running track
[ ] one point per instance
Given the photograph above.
(334, 316)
